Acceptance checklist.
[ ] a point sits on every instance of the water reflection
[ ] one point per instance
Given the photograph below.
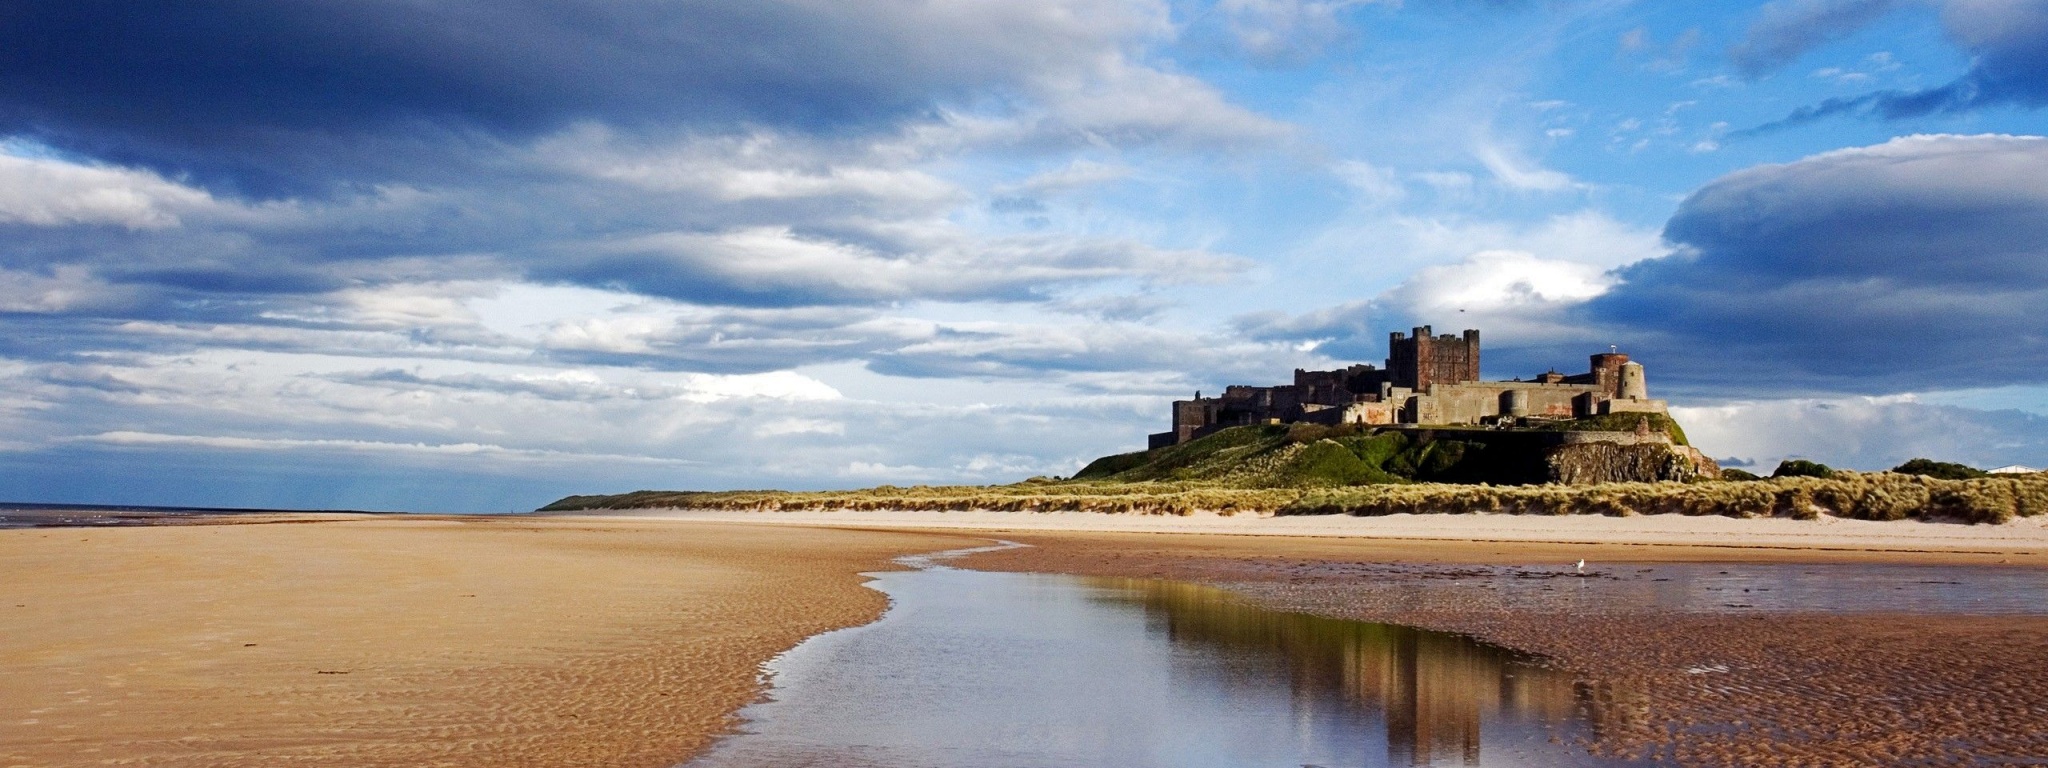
(998, 669)
(1431, 690)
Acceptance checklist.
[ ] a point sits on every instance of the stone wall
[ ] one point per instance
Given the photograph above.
(1474, 402)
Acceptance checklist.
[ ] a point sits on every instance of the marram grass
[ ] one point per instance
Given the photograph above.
(1858, 495)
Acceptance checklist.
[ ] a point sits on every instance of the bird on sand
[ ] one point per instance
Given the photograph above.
(1582, 566)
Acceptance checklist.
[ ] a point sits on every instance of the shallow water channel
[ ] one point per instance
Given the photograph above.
(970, 668)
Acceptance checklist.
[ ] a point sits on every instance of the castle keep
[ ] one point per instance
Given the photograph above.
(1428, 380)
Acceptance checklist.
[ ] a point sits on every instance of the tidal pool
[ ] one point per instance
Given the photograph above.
(979, 669)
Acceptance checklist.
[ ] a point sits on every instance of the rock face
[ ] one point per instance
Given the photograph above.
(1610, 462)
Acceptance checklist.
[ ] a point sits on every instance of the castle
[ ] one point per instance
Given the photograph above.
(1429, 380)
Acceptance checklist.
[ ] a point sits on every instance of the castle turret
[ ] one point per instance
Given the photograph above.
(1515, 403)
(1633, 387)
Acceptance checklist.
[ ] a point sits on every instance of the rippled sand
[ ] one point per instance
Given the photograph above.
(408, 642)
(1730, 682)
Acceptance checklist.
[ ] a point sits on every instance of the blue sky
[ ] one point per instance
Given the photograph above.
(476, 256)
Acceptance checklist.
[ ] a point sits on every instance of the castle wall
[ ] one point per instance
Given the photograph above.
(1475, 402)
(1372, 413)
(1633, 406)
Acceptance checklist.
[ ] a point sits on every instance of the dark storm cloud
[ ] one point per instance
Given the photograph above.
(2009, 42)
(1919, 263)
(268, 94)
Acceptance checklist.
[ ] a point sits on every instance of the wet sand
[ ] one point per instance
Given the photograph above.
(408, 641)
(1723, 687)
(1462, 538)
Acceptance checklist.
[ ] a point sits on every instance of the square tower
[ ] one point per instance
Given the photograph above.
(1419, 361)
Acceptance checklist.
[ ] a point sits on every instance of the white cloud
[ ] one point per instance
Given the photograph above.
(1370, 184)
(1282, 30)
(1518, 173)
(233, 443)
(48, 192)
(1512, 294)
(777, 385)
(1867, 433)
(1075, 175)
(780, 427)
(67, 288)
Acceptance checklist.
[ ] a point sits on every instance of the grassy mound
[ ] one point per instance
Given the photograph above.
(1301, 456)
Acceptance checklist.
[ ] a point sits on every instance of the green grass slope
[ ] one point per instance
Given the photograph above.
(1312, 456)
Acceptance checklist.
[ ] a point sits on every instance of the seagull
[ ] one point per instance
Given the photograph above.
(1582, 566)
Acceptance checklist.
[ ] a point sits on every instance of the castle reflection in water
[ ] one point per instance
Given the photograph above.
(1433, 690)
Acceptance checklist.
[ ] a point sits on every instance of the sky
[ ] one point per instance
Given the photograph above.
(450, 255)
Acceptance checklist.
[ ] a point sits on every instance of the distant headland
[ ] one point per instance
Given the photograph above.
(1426, 435)
(1429, 405)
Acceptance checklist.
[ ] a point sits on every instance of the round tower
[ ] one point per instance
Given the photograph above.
(1632, 385)
(1515, 403)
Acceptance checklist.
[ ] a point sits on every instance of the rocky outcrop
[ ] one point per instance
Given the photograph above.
(1613, 462)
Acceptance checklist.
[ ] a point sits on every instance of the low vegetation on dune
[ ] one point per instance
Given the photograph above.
(1858, 495)
(1035, 495)
(1305, 469)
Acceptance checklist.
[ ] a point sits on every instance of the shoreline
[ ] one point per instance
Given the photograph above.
(1636, 538)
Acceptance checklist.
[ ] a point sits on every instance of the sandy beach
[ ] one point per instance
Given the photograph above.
(408, 641)
(630, 639)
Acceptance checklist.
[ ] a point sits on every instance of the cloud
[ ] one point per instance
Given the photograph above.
(1522, 302)
(298, 428)
(775, 266)
(464, 450)
(1893, 267)
(1518, 173)
(45, 192)
(1788, 29)
(1523, 285)
(1168, 359)
(586, 386)
(289, 98)
(1867, 433)
(2008, 43)
(1285, 31)
(1078, 174)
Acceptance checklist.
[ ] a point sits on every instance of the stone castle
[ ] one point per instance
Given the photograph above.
(1429, 380)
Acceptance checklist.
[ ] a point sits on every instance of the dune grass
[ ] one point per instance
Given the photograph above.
(1858, 495)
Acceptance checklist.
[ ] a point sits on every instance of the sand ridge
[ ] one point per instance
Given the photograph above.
(409, 641)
